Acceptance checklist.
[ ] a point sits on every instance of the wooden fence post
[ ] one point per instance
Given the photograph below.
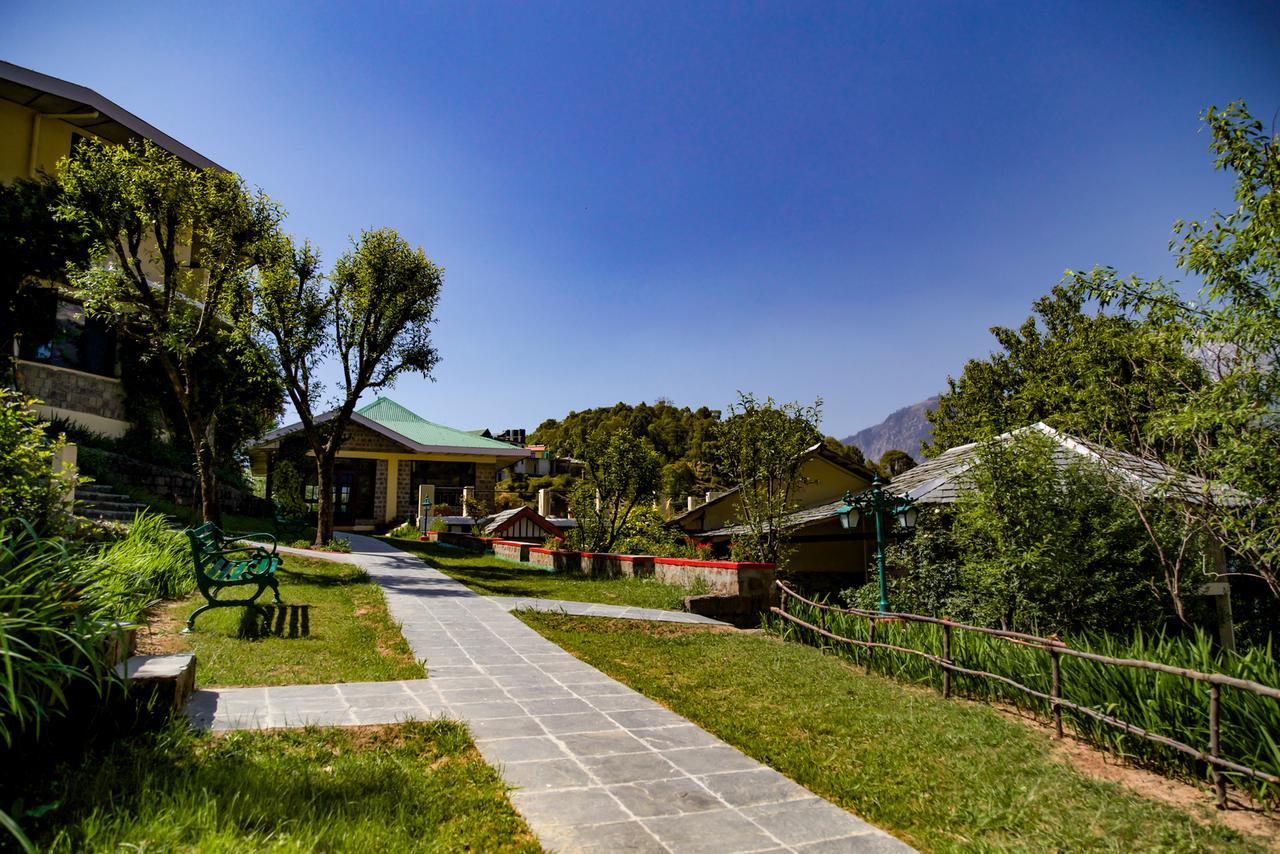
(871, 638)
(946, 658)
(1056, 690)
(1219, 782)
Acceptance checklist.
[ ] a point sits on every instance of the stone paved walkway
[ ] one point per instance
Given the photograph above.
(596, 766)
(596, 609)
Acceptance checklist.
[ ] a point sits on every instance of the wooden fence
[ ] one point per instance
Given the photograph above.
(1055, 650)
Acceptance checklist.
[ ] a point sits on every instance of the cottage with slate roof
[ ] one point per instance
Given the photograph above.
(388, 452)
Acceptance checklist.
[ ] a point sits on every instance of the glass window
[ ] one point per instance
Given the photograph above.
(60, 333)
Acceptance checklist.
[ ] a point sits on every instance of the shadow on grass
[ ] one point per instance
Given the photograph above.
(280, 621)
(351, 575)
(388, 788)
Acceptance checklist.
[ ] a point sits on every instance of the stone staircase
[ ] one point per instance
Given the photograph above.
(99, 501)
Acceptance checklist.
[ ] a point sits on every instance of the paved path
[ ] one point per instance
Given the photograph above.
(596, 609)
(596, 766)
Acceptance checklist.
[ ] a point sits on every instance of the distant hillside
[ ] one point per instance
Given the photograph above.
(905, 430)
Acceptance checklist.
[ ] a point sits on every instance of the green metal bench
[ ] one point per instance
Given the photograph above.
(217, 567)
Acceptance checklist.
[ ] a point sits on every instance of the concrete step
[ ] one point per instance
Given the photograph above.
(108, 515)
(168, 680)
(117, 503)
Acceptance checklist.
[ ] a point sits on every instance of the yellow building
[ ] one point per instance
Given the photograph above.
(387, 454)
(68, 360)
(820, 544)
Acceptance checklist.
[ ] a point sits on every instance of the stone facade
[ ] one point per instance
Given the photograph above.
(380, 492)
(361, 438)
(486, 477)
(74, 390)
(405, 501)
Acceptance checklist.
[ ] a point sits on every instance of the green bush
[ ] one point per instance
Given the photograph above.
(1159, 703)
(28, 488)
(404, 531)
(438, 525)
(51, 640)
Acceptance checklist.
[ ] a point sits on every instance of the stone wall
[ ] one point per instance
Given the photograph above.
(613, 566)
(560, 561)
(486, 477)
(171, 485)
(380, 492)
(361, 438)
(509, 550)
(727, 578)
(405, 502)
(75, 390)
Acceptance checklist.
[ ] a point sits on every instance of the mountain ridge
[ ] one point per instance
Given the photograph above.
(905, 429)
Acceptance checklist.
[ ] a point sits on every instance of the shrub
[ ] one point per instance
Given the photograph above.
(334, 545)
(28, 488)
(438, 525)
(50, 641)
(404, 531)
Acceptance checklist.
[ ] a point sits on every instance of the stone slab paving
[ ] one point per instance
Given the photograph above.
(595, 609)
(595, 765)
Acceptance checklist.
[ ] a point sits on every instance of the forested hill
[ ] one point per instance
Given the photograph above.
(905, 430)
(676, 433)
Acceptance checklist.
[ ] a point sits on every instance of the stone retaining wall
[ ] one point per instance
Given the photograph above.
(171, 485)
(510, 550)
(724, 577)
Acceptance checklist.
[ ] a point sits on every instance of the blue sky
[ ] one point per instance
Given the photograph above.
(634, 201)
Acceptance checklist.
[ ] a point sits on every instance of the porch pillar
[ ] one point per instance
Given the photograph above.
(393, 490)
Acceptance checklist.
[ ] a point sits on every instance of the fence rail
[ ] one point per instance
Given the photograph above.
(1055, 649)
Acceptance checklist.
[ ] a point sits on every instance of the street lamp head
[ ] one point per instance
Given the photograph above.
(907, 517)
(848, 514)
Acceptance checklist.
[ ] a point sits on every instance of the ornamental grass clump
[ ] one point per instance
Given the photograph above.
(151, 563)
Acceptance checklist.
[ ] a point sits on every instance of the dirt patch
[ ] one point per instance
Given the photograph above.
(161, 635)
(1243, 815)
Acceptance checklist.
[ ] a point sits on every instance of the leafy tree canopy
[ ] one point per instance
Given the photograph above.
(676, 435)
(179, 247)
(1226, 429)
(1091, 374)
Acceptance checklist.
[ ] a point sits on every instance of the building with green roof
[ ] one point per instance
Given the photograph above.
(388, 453)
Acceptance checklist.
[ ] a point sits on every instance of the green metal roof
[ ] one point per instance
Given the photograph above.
(393, 416)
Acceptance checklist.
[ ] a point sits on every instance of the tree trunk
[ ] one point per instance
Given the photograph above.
(210, 510)
(324, 499)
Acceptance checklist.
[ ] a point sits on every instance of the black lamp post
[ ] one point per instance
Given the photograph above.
(882, 506)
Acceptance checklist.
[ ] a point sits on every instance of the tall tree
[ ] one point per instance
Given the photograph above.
(372, 314)
(760, 448)
(1088, 373)
(1225, 430)
(178, 247)
(621, 472)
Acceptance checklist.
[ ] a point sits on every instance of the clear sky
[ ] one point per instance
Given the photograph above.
(637, 200)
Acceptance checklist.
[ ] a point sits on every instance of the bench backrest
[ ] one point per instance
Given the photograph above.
(206, 542)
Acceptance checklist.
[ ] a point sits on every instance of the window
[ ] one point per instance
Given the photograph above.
(61, 334)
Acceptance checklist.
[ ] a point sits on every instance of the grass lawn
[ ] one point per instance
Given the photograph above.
(350, 637)
(942, 775)
(409, 787)
(491, 576)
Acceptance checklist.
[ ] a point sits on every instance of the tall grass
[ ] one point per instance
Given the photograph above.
(152, 562)
(50, 643)
(1160, 703)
